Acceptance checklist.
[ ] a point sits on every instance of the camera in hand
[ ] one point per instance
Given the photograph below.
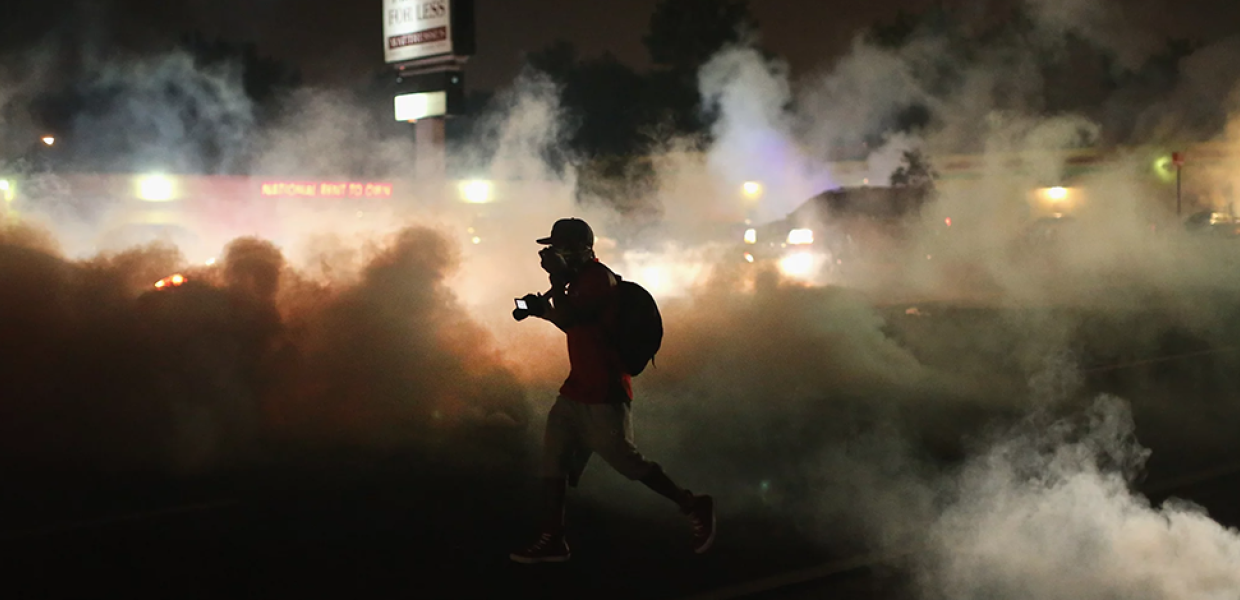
(530, 304)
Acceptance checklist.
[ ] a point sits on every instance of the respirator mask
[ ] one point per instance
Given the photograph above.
(559, 262)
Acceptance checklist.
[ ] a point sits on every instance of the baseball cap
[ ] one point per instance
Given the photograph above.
(570, 233)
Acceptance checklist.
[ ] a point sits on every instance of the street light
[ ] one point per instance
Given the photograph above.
(475, 192)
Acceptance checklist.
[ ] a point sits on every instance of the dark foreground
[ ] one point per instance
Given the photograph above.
(398, 528)
(381, 538)
(374, 541)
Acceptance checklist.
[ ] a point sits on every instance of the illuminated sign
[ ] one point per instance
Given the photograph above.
(414, 30)
(411, 107)
(325, 189)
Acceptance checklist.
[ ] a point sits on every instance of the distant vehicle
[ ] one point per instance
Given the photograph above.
(1047, 230)
(837, 229)
(1213, 224)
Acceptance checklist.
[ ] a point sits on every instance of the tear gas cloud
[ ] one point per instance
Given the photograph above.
(877, 427)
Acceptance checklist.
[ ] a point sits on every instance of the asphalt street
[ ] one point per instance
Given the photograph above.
(398, 526)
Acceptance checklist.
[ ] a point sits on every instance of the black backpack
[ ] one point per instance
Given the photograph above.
(639, 326)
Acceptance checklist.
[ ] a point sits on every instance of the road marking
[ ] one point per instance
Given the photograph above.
(766, 584)
(790, 578)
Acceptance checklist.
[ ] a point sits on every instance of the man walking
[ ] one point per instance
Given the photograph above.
(591, 414)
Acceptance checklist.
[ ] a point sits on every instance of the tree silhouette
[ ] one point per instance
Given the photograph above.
(194, 111)
(684, 34)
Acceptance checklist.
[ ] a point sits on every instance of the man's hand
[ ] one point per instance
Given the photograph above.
(536, 303)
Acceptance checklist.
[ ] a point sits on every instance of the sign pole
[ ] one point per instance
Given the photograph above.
(1177, 159)
(430, 156)
(427, 42)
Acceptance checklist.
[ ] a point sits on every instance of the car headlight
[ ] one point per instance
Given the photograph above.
(1056, 196)
(798, 237)
(800, 264)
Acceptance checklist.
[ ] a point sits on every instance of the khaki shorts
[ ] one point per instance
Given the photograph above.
(576, 430)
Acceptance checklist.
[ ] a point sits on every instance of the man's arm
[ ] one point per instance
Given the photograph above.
(559, 310)
(584, 304)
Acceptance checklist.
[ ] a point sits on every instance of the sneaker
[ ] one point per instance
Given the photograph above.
(702, 515)
(549, 548)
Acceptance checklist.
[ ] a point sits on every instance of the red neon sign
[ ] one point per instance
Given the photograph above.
(325, 189)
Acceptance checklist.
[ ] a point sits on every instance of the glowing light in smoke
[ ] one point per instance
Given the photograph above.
(799, 265)
(6, 189)
(49, 140)
(475, 192)
(155, 188)
(1164, 168)
(752, 190)
(751, 236)
(1057, 193)
(948, 220)
(653, 280)
(476, 240)
(748, 257)
(672, 272)
(210, 261)
(172, 280)
(798, 237)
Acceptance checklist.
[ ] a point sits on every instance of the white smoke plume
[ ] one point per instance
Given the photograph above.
(1049, 514)
(849, 410)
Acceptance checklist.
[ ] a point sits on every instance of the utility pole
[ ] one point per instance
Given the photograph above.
(1177, 159)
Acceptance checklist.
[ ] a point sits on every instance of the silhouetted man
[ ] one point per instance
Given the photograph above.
(591, 414)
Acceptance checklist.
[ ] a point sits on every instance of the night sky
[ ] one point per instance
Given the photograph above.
(334, 42)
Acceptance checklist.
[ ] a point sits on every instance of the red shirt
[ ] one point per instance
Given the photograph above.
(596, 374)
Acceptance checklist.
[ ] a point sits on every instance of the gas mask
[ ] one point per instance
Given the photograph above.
(553, 261)
(562, 263)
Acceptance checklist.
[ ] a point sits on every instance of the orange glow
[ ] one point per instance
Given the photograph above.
(325, 189)
(172, 280)
(948, 220)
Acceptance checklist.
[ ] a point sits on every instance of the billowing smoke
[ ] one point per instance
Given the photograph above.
(244, 360)
(1048, 513)
(753, 137)
(885, 413)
